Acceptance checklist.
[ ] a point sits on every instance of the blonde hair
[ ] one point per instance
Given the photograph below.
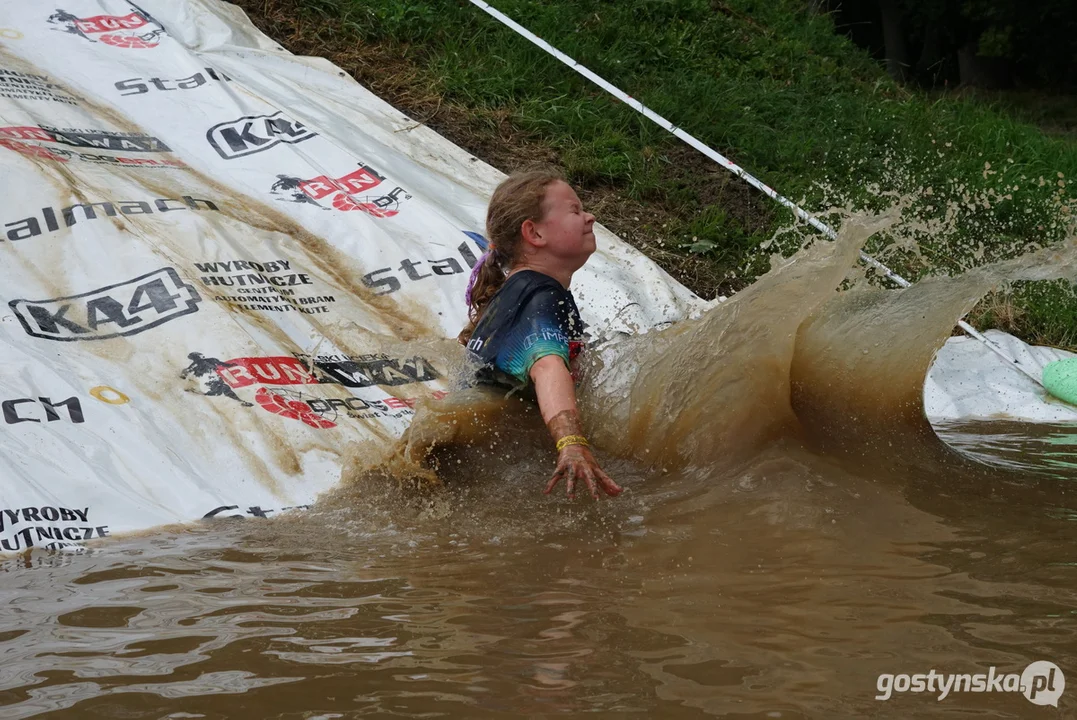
(518, 198)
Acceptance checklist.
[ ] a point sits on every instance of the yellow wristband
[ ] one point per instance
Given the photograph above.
(571, 440)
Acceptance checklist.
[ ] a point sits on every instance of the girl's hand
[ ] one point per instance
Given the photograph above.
(576, 462)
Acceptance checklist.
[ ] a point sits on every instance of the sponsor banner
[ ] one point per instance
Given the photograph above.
(133, 31)
(126, 308)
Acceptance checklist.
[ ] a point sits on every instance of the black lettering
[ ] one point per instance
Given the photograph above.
(68, 533)
(136, 87)
(128, 207)
(51, 322)
(50, 219)
(23, 229)
(11, 414)
(30, 513)
(104, 310)
(218, 510)
(448, 266)
(50, 513)
(67, 515)
(88, 210)
(469, 257)
(420, 369)
(193, 203)
(192, 82)
(159, 298)
(408, 266)
(258, 512)
(162, 207)
(239, 141)
(157, 83)
(281, 126)
(390, 283)
(74, 409)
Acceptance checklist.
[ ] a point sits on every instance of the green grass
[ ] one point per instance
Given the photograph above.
(773, 87)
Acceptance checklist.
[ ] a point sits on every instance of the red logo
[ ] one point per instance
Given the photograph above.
(293, 408)
(283, 370)
(120, 31)
(345, 193)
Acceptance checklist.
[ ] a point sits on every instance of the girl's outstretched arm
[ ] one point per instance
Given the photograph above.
(556, 394)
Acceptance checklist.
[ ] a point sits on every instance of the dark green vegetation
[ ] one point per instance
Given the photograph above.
(769, 84)
(982, 43)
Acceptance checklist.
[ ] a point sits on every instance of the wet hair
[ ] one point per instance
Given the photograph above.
(518, 198)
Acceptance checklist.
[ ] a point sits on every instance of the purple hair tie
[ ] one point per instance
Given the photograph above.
(475, 276)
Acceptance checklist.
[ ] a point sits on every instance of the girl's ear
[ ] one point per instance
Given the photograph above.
(531, 234)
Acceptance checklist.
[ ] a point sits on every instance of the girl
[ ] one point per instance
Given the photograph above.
(524, 326)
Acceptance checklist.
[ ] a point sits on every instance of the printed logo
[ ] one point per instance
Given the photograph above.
(140, 86)
(31, 226)
(119, 310)
(255, 133)
(283, 370)
(41, 409)
(135, 31)
(1041, 682)
(47, 527)
(221, 378)
(52, 143)
(345, 193)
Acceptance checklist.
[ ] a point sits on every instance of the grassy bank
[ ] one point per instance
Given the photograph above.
(769, 84)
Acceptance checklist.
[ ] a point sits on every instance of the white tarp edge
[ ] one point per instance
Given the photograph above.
(968, 381)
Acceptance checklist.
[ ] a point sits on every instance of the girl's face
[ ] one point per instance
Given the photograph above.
(566, 229)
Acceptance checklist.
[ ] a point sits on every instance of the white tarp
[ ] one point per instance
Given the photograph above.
(969, 382)
(212, 252)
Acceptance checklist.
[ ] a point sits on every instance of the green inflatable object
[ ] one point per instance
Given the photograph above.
(1060, 379)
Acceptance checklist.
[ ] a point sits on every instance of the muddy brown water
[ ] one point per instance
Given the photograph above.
(780, 589)
(792, 529)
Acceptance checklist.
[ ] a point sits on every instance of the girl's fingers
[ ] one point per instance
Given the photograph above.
(557, 475)
(608, 485)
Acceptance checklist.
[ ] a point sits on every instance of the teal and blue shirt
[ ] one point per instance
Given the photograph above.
(531, 316)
